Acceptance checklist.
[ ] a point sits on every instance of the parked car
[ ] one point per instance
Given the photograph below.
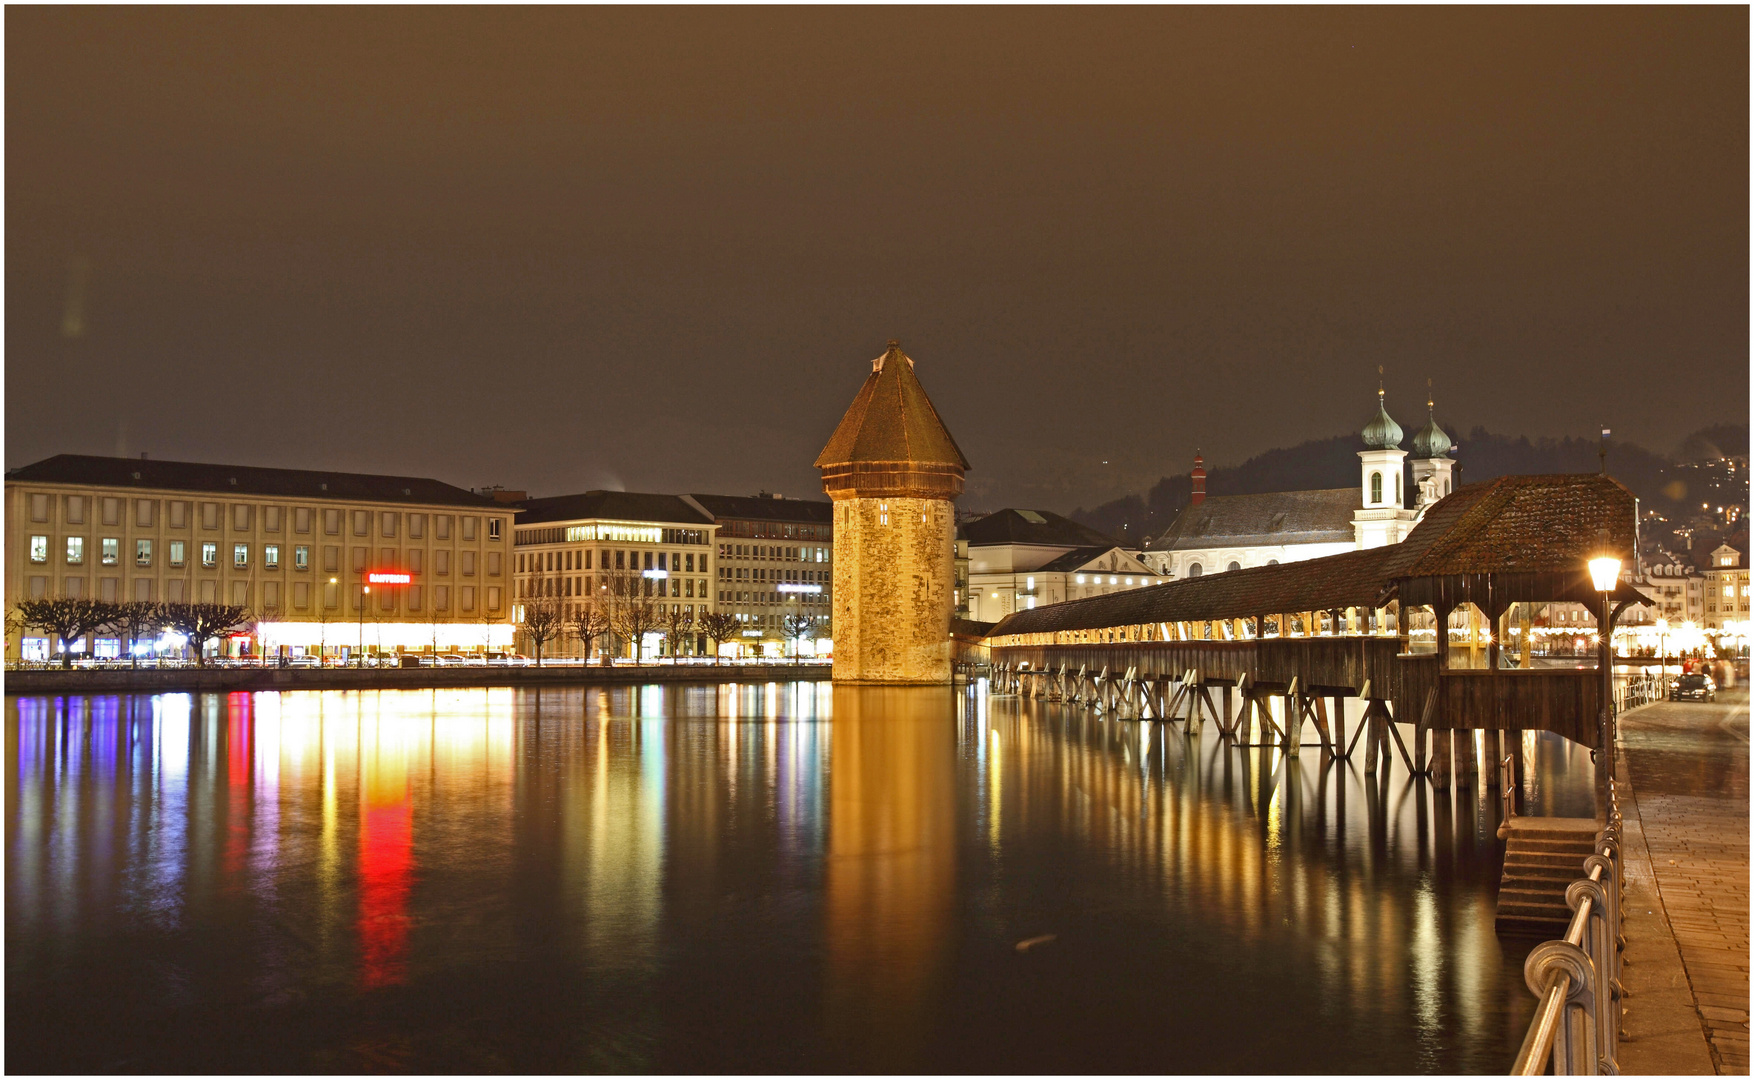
(1692, 688)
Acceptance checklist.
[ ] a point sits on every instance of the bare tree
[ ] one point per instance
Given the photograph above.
(590, 621)
(67, 618)
(201, 623)
(135, 619)
(798, 627)
(678, 624)
(543, 618)
(632, 612)
(720, 626)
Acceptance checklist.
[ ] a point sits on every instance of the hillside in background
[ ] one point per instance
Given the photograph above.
(1480, 455)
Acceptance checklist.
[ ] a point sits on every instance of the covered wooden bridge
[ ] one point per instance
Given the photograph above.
(1370, 625)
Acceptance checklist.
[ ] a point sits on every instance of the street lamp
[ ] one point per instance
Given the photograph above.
(1605, 574)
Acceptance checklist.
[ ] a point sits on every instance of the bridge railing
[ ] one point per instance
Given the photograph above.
(1576, 978)
(1640, 689)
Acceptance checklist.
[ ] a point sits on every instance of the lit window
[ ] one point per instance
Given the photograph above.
(110, 551)
(301, 557)
(240, 555)
(1080, 579)
(493, 525)
(76, 549)
(209, 555)
(39, 549)
(176, 552)
(270, 556)
(1112, 581)
(142, 553)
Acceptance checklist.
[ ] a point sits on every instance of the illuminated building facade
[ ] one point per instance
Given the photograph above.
(775, 558)
(1021, 559)
(575, 549)
(294, 547)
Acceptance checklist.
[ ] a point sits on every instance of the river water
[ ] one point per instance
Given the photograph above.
(719, 878)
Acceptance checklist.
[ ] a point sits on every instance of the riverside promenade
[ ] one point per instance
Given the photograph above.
(1687, 868)
(243, 679)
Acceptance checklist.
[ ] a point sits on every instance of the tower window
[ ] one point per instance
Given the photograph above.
(1376, 487)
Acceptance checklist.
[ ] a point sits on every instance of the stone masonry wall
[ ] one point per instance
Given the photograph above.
(894, 581)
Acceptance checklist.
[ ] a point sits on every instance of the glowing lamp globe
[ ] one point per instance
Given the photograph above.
(1605, 571)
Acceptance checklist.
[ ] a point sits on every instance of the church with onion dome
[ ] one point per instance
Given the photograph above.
(1217, 532)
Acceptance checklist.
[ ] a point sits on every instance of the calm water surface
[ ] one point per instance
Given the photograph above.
(718, 878)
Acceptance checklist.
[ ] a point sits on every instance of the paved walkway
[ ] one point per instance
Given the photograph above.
(1688, 769)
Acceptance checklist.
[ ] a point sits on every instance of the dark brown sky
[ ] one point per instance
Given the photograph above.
(561, 249)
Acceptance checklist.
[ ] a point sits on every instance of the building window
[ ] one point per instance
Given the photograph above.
(110, 552)
(75, 510)
(112, 510)
(441, 597)
(270, 556)
(176, 553)
(271, 518)
(387, 523)
(332, 522)
(441, 562)
(441, 526)
(179, 514)
(493, 527)
(361, 522)
(1195, 569)
(39, 508)
(466, 597)
(210, 515)
(470, 523)
(240, 518)
(209, 555)
(301, 557)
(1375, 487)
(240, 555)
(75, 550)
(466, 564)
(143, 511)
(142, 553)
(493, 598)
(1234, 566)
(39, 549)
(493, 564)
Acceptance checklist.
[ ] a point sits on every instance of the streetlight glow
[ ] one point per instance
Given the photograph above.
(1605, 571)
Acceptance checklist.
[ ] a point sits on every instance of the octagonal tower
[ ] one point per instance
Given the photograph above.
(894, 473)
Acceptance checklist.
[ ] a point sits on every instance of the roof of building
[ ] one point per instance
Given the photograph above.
(1431, 441)
(759, 508)
(1079, 558)
(891, 419)
(1040, 527)
(1381, 432)
(613, 506)
(1323, 516)
(1517, 524)
(191, 476)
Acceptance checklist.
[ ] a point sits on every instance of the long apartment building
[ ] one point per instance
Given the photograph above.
(327, 562)
(570, 547)
(775, 558)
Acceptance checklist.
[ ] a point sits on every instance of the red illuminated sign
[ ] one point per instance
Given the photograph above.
(387, 577)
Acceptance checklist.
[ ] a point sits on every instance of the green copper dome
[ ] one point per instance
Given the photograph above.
(1382, 433)
(1431, 441)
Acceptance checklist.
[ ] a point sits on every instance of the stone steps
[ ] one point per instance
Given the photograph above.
(1542, 857)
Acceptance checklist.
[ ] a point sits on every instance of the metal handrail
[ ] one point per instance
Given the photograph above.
(1576, 1027)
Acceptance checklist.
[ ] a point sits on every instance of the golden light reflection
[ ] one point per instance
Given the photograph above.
(891, 873)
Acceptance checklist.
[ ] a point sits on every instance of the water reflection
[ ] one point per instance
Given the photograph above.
(771, 878)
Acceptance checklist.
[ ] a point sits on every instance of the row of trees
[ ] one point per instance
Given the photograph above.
(622, 606)
(131, 620)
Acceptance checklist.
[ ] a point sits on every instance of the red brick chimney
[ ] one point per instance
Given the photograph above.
(1199, 476)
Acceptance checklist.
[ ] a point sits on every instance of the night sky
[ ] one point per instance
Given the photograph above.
(559, 249)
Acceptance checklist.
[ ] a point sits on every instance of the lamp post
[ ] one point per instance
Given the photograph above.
(1605, 574)
(1663, 649)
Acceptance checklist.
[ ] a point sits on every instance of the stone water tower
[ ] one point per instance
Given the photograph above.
(893, 472)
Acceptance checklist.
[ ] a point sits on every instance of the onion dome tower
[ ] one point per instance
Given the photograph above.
(1380, 521)
(1432, 466)
(894, 473)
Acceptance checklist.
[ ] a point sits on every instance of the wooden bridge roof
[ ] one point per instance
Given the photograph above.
(1351, 579)
(1536, 530)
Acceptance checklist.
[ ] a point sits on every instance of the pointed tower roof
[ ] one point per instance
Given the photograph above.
(891, 419)
(1382, 433)
(891, 441)
(1431, 441)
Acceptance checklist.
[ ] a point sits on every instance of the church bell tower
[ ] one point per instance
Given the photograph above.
(894, 473)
